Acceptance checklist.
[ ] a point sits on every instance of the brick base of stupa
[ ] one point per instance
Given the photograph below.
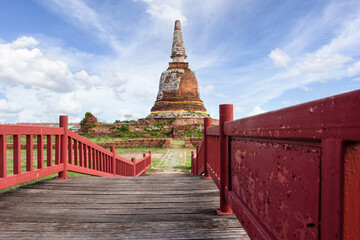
(177, 115)
(178, 95)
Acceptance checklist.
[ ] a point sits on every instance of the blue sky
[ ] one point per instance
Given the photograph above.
(70, 57)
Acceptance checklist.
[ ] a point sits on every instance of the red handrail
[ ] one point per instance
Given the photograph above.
(213, 154)
(292, 173)
(72, 153)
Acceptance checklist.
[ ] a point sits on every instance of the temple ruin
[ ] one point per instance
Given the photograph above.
(178, 95)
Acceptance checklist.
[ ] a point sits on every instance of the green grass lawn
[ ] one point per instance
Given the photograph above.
(70, 174)
(180, 161)
(10, 139)
(178, 158)
(178, 142)
(9, 166)
(106, 139)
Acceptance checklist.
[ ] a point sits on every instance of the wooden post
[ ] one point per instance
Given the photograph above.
(89, 157)
(226, 114)
(150, 157)
(17, 154)
(332, 170)
(76, 155)
(49, 150)
(207, 123)
(134, 164)
(57, 149)
(85, 155)
(40, 151)
(29, 153)
(70, 150)
(197, 160)
(80, 154)
(112, 149)
(64, 145)
(3, 157)
(192, 163)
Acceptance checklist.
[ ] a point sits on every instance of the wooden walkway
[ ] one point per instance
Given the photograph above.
(156, 206)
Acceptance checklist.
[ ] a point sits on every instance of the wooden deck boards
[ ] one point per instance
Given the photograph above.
(156, 206)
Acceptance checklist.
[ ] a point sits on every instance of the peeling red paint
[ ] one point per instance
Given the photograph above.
(274, 184)
(352, 192)
(295, 172)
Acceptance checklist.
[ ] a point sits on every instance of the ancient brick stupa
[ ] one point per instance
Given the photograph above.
(178, 95)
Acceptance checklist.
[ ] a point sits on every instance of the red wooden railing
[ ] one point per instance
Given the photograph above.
(71, 153)
(292, 173)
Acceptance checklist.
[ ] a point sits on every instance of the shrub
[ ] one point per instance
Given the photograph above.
(90, 126)
(84, 119)
(168, 132)
(120, 135)
(123, 128)
(159, 125)
(155, 134)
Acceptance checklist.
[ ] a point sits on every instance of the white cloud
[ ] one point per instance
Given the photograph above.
(67, 104)
(117, 82)
(24, 42)
(37, 88)
(79, 13)
(9, 107)
(354, 69)
(238, 109)
(124, 111)
(316, 63)
(86, 80)
(220, 95)
(286, 103)
(97, 111)
(130, 81)
(168, 11)
(207, 90)
(279, 57)
(256, 110)
(58, 103)
(322, 45)
(6, 116)
(29, 67)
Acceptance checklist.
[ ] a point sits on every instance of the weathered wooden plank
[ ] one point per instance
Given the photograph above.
(157, 206)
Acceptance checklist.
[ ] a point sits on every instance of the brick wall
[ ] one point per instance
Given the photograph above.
(192, 141)
(140, 142)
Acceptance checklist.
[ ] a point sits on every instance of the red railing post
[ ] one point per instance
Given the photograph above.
(192, 163)
(40, 151)
(3, 158)
(64, 145)
(207, 123)
(17, 154)
(70, 151)
(197, 160)
(29, 152)
(49, 150)
(150, 157)
(134, 163)
(57, 149)
(226, 114)
(112, 149)
(332, 177)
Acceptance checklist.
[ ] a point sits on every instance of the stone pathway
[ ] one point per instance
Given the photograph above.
(174, 157)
